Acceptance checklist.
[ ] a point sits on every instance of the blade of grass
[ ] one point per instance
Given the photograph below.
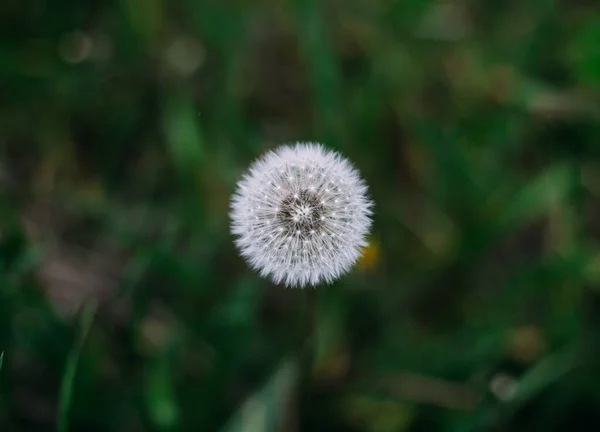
(267, 409)
(1, 360)
(545, 373)
(537, 198)
(68, 381)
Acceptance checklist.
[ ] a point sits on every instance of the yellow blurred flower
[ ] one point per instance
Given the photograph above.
(370, 257)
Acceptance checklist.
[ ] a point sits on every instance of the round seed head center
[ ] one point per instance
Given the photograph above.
(301, 213)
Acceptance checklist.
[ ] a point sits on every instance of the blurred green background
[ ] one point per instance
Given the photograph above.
(124, 125)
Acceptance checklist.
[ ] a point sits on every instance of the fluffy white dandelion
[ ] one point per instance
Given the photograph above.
(300, 215)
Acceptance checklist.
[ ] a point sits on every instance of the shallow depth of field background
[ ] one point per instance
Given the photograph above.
(124, 126)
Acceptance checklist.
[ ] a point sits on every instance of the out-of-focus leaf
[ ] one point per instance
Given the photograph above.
(160, 395)
(429, 390)
(377, 414)
(145, 17)
(331, 358)
(585, 51)
(546, 372)
(537, 197)
(324, 73)
(268, 409)
(68, 381)
(240, 307)
(184, 136)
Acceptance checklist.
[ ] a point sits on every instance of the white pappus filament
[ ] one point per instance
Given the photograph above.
(300, 215)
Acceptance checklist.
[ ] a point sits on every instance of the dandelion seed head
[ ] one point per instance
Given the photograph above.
(300, 215)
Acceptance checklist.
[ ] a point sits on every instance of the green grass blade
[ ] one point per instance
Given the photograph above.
(545, 373)
(537, 197)
(1, 360)
(68, 381)
(266, 410)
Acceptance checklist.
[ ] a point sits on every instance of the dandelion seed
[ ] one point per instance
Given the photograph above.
(297, 207)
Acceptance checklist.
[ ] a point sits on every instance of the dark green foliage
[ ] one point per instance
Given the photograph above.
(124, 126)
